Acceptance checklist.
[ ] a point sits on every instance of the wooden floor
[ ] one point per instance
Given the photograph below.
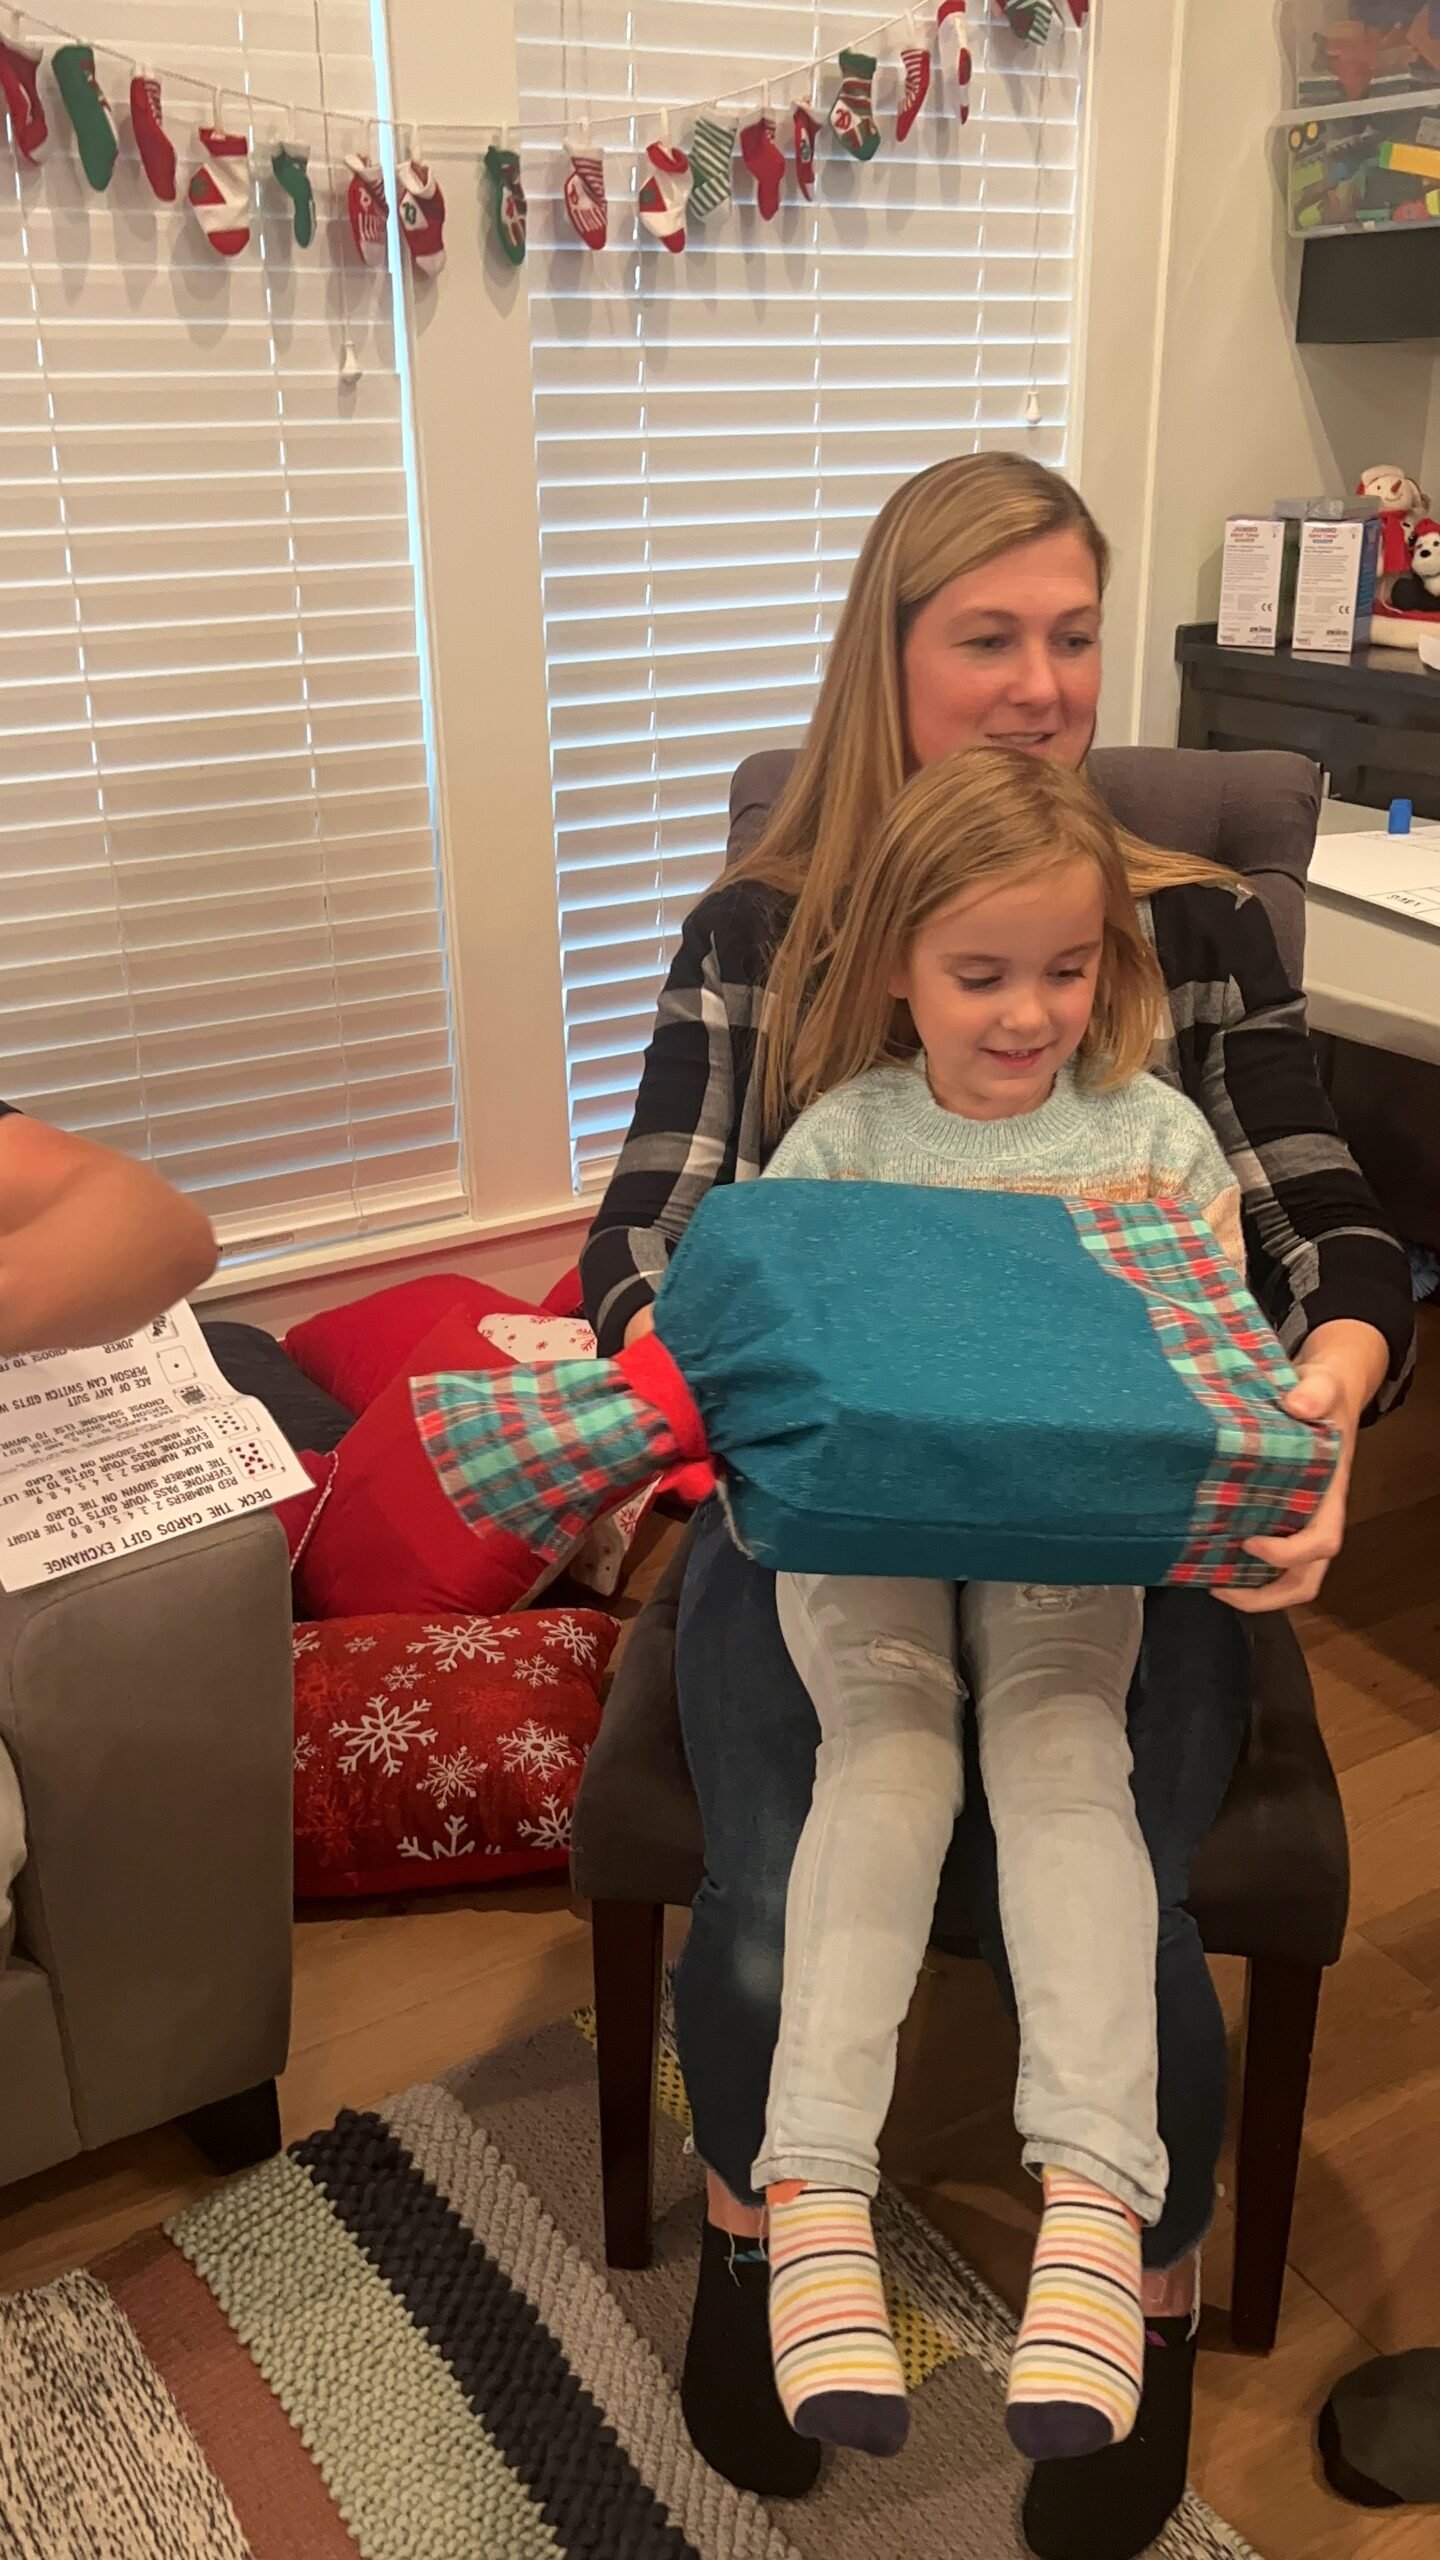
(388, 1995)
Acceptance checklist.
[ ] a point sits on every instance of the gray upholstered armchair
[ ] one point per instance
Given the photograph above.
(1272, 1883)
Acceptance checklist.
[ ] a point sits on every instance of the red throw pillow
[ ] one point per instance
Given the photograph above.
(296, 1515)
(353, 1352)
(567, 1298)
(441, 1752)
(386, 1536)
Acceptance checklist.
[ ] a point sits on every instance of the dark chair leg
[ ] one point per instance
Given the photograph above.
(628, 1941)
(234, 2133)
(1279, 2040)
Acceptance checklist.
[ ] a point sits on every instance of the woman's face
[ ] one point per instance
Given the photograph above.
(1008, 656)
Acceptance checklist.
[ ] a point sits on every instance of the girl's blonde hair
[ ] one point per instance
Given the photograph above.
(953, 518)
(961, 827)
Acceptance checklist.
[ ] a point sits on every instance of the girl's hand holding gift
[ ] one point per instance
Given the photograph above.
(1342, 1367)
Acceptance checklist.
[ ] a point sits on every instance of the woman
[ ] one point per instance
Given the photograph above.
(974, 619)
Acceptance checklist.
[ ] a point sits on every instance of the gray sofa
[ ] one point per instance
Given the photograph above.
(146, 1711)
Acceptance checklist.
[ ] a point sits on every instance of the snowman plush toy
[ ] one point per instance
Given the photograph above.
(1402, 504)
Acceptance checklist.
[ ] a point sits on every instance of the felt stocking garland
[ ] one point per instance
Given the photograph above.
(585, 195)
(765, 161)
(157, 151)
(665, 193)
(421, 208)
(74, 69)
(290, 165)
(951, 30)
(915, 58)
(853, 114)
(20, 88)
(807, 134)
(219, 191)
(509, 213)
(367, 207)
(712, 158)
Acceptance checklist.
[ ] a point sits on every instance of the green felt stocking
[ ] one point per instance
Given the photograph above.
(853, 114)
(289, 161)
(74, 69)
(507, 202)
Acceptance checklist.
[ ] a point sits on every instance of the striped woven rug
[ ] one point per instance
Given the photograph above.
(395, 2341)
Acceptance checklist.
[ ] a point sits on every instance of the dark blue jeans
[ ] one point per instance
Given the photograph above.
(750, 1737)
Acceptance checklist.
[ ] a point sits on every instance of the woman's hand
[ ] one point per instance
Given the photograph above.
(641, 1323)
(1341, 1369)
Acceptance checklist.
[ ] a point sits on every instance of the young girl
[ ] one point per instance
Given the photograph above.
(986, 1014)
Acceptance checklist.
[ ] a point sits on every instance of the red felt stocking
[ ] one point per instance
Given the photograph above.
(665, 193)
(765, 161)
(807, 134)
(951, 30)
(157, 151)
(585, 195)
(916, 58)
(20, 88)
(368, 208)
(219, 191)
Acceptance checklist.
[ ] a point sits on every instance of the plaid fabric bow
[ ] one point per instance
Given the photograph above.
(544, 1452)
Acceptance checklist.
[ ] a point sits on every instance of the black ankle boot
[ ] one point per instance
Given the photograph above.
(1113, 2505)
(727, 2393)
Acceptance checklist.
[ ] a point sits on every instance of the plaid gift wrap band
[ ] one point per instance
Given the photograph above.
(1270, 1473)
(544, 1452)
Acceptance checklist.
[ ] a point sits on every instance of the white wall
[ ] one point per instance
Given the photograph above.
(1191, 329)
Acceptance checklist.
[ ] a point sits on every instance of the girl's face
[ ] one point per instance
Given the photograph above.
(1001, 987)
(1008, 656)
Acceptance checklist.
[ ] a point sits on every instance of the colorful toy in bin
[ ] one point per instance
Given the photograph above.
(1353, 49)
(1411, 159)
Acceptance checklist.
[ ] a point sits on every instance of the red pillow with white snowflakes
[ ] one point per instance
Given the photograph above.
(441, 1751)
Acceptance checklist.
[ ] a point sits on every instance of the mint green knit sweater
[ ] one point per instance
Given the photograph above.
(1141, 1141)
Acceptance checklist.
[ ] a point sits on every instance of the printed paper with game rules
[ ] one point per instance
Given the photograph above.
(130, 1446)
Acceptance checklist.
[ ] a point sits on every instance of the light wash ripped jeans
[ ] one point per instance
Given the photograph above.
(1052, 1669)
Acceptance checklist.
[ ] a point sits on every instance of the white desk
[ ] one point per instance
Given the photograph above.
(1370, 975)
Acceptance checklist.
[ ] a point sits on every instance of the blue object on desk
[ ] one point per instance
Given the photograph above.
(1401, 813)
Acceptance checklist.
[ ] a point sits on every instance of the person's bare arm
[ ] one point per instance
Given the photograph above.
(92, 1245)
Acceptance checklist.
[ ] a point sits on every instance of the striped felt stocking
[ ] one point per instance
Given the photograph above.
(915, 59)
(712, 157)
(1031, 20)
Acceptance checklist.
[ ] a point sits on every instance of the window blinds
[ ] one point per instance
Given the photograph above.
(222, 939)
(715, 432)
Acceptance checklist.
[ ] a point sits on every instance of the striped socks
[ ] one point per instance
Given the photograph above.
(836, 2368)
(1080, 2357)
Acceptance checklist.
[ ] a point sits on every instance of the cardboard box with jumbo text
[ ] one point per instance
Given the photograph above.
(1257, 587)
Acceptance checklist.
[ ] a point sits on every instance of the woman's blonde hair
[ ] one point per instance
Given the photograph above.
(856, 757)
(963, 826)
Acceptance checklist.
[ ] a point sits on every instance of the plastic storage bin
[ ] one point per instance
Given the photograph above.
(1363, 168)
(1346, 50)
